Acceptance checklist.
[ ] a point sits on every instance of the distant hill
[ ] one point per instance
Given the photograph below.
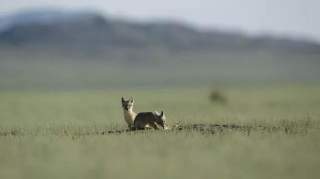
(92, 31)
(62, 50)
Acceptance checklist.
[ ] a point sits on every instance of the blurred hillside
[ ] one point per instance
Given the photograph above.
(52, 49)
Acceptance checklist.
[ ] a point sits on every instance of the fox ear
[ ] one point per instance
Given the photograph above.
(131, 99)
(161, 114)
(122, 99)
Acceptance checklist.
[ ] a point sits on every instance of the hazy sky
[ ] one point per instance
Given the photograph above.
(301, 17)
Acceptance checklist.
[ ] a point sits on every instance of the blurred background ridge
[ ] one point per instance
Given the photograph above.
(91, 30)
(53, 48)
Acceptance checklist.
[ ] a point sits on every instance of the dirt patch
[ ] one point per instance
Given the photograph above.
(209, 129)
(287, 128)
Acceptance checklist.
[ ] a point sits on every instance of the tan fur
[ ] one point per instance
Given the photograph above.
(128, 113)
(129, 117)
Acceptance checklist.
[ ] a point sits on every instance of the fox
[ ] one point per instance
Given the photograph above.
(129, 114)
(142, 120)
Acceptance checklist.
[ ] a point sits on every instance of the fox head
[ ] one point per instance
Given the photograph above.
(161, 119)
(127, 104)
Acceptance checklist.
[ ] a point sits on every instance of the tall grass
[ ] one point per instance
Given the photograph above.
(260, 133)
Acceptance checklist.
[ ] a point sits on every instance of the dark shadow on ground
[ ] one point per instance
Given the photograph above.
(202, 128)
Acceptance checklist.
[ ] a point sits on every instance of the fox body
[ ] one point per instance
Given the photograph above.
(142, 120)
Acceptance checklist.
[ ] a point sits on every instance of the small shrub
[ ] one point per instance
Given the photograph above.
(217, 96)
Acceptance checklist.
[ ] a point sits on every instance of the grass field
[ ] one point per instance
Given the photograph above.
(275, 134)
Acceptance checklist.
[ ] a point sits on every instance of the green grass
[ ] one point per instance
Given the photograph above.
(61, 134)
(34, 70)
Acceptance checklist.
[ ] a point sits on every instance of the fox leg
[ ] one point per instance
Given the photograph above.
(154, 125)
(147, 126)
